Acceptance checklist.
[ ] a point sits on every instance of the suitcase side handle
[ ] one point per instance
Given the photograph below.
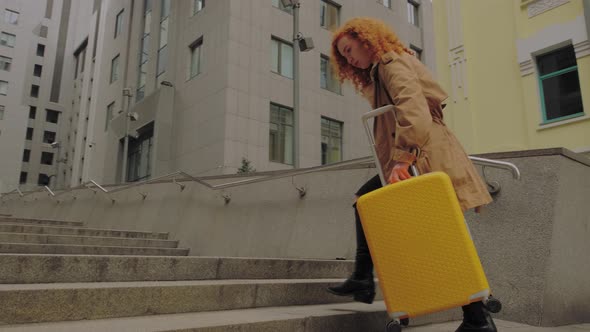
(365, 118)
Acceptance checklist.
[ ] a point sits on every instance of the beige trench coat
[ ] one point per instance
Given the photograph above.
(402, 80)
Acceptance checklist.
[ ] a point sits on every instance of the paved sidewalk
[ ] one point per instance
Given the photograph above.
(503, 326)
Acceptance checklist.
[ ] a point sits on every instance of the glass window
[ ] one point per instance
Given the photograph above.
(417, 52)
(51, 116)
(7, 39)
(328, 80)
(413, 11)
(43, 180)
(198, 5)
(34, 91)
(331, 141)
(279, 4)
(559, 85)
(48, 137)
(109, 115)
(195, 54)
(139, 156)
(26, 155)
(46, 158)
(29, 136)
(40, 50)
(119, 23)
(3, 88)
(23, 177)
(329, 15)
(5, 63)
(282, 58)
(281, 139)
(163, 49)
(37, 70)
(11, 17)
(32, 112)
(115, 69)
(1, 112)
(144, 51)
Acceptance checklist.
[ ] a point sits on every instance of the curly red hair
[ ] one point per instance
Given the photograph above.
(375, 36)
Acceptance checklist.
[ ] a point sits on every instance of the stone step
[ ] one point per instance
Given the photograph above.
(85, 240)
(33, 248)
(26, 269)
(67, 302)
(58, 230)
(49, 222)
(341, 317)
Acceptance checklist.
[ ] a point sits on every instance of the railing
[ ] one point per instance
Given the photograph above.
(261, 177)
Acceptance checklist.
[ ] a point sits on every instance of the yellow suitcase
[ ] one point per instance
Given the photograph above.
(421, 247)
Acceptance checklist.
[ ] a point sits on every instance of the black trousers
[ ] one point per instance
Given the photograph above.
(473, 313)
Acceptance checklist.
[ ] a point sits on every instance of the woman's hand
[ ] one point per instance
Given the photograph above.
(399, 172)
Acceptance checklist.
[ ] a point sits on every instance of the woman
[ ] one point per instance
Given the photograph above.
(369, 55)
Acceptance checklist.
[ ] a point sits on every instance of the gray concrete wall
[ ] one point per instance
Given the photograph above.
(532, 240)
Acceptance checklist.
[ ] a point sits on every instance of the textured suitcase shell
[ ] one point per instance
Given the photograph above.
(421, 247)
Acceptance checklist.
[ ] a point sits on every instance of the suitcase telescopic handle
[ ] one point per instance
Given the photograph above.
(369, 115)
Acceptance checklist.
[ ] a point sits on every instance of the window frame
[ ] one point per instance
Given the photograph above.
(26, 155)
(541, 78)
(195, 10)
(5, 63)
(43, 176)
(327, 3)
(4, 39)
(329, 75)
(45, 136)
(279, 5)
(47, 158)
(281, 42)
(109, 115)
(281, 129)
(12, 13)
(417, 51)
(196, 45)
(2, 84)
(35, 70)
(32, 134)
(49, 115)
(341, 129)
(40, 47)
(114, 71)
(37, 88)
(415, 19)
(119, 23)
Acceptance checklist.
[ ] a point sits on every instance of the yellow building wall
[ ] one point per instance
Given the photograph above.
(496, 108)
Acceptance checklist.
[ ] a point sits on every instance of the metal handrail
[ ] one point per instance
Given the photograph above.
(262, 178)
(497, 164)
(50, 192)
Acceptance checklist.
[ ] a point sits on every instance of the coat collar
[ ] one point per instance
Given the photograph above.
(385, 59)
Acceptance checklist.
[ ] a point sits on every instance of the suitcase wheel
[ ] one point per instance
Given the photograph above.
(493, 305)
(393, 326)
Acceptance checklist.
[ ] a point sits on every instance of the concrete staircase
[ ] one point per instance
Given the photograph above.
(62, 276)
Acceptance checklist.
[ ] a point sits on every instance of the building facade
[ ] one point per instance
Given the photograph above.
(202, 84)
(31, 61)
(518, 72)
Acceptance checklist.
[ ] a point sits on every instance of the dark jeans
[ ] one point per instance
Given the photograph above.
(473, 313)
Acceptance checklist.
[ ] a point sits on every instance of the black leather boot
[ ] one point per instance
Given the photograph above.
(476, 319)
(361, 285)
(360, 290)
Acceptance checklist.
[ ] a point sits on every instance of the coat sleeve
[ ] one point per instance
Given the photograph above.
(414, 121)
